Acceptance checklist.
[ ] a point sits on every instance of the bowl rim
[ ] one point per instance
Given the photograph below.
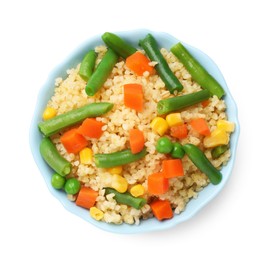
(126, 228)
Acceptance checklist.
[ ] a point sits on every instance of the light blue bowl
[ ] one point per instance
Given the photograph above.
(195, 205)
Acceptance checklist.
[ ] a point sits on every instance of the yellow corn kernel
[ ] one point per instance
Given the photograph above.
(119, 183)
(137, 190)
(96, 213)
(174, 119)
(86, 156)
(217, 137)
(49, 112)
(115, 170)
(226, 125)
(159, 125)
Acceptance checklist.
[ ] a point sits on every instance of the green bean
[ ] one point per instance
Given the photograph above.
(118, 158)
(149, 44)
(218, 151)
(126, 198)
(202, 163)
(168, 105)
(118, 45)
(197, 71)
(53, 158)
(88, 65)
(57, 123)
(101, 73)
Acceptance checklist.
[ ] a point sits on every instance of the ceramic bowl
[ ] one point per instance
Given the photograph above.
(195, 205)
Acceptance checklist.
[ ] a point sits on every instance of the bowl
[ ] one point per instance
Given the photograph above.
(195, 205)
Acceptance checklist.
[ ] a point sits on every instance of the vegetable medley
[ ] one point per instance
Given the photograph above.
(80, 127)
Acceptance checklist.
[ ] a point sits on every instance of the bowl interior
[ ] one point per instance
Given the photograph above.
(206, 195)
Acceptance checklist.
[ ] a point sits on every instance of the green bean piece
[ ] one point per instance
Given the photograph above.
(168, 105)
(88, 65)
(101, 73)
(150, 46)
(202, 163)
(118, 45)
(118, 158)
(53, 158)
(126, 198)
(197, 71)
(57, 123)
(218, 151)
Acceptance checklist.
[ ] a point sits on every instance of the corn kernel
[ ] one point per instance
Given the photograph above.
(49, 112)
(174, 119)
(137, 190)
(226, 125)
(86, 156)
(96, 213)
(119, 183)
(159, 125)
(217, 137)
(115, 170)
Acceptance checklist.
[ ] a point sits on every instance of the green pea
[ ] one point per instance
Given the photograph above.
(164, 145)
(177, 151)
(57, 181)
(218, 151)
(72, 186)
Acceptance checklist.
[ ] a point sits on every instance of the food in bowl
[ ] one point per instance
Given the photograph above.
(135, 133)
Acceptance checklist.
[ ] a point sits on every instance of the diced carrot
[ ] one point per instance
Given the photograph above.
(133, 96)
(162, 209)
(205, 103)
(92, 128)
(179, 131)
(172, 168)
(139, 63)
(157, 184)
(200, 125)
(137, 141)
(72, 141)
(86, 197)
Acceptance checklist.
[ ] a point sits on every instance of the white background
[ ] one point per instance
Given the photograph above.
(37, 35)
